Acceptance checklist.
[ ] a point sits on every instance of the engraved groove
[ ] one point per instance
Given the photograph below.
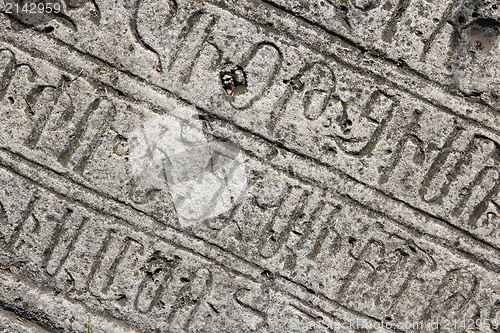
(139, 38)
(390, 28)
(250, 308)
(97, 140)
(186, 77)
(17, 229)
(282, 220)
(82, 129)
(9, 76)
(372, 142)
(445, 17)
(470, 256)
(8, 72)
(443, 300)
(353, 273)
(226, 249)
(165, 271)
(325, 298)
(294, 283)
(56, 239)
(300, 154)
(70, 247)
(396, 63)
(114, 265)
(437, 166)
(398, 154)
(98, 261)
(249, 101)
(481, 207)
(39, 125)
(201, 298)
(296, 86)
(419, 155)
(192, 22)
(3, 214)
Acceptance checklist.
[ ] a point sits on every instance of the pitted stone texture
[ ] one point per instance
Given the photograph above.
(372, 189)
(452, 42)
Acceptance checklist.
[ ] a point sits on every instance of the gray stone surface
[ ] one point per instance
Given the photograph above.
(370, 136)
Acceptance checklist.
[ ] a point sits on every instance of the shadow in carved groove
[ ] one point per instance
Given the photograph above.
(77, 4)
(279, 227)
(56, 97)
(90, 128)
(160, 13)
(459, 161)
(189, 298)
(408, 138)
(159, 273)
(383, 273)
(191, 41)
(261, 68)
(453, 296)
(360, 145)
(311, 90)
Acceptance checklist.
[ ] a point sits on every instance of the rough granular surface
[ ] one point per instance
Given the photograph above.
(250, 166)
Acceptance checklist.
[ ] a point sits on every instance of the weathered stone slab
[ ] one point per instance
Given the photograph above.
(372, 183)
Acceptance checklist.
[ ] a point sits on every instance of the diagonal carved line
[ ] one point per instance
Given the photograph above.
(293, 151)
(396, 15)
(313, 46)
(431, 237)
(139, 39)
(70, 246)
(439, 27)
(119, 258)
(281, 146)
(396, 63)
(19, 226)
(304, 289)
(39, 297)
(99, 258)
(28, 320)
(55, 238)
(435, 239)
(176, 236)
(102, 62)
(70, 148)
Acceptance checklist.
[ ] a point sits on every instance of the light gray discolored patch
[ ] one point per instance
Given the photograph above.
(205, 178)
